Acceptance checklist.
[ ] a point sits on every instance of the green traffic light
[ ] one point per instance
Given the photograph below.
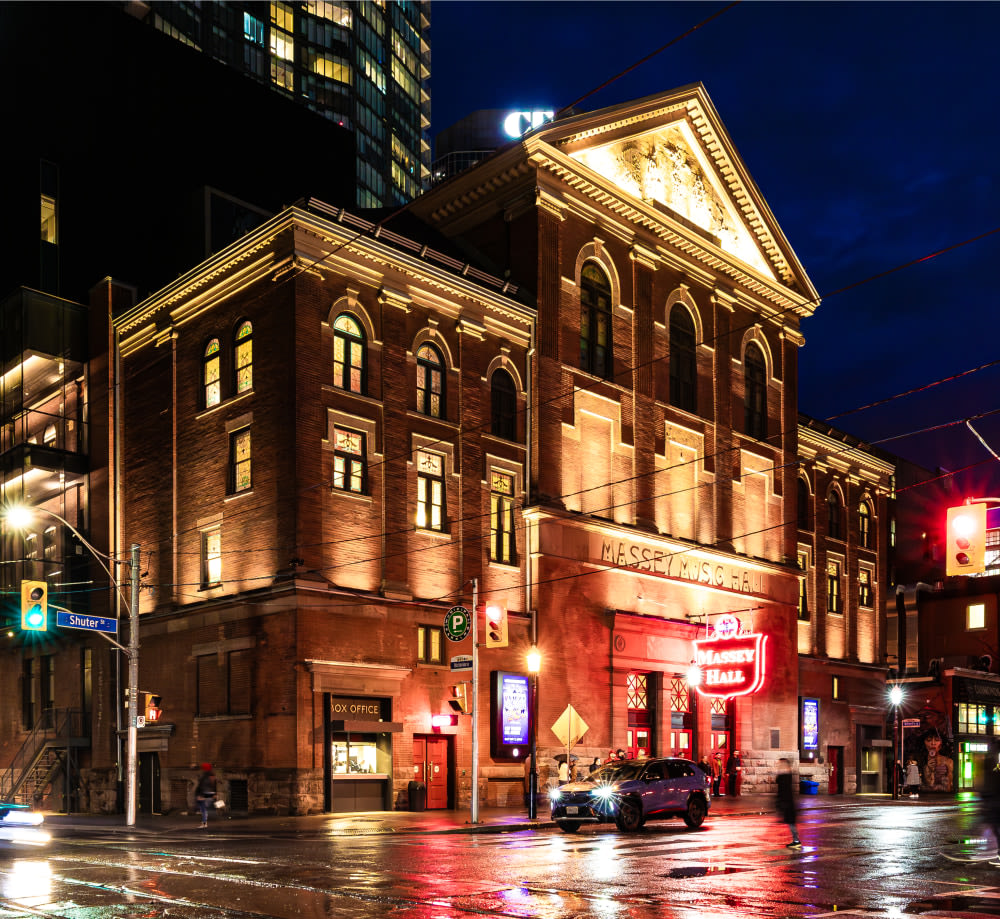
(36, 617)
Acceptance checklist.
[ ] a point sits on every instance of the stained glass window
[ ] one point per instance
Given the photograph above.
(501, 517)
(244, 357)
(430, 380)
(239, 458)
(211, 375)
(348, 354)
(349, 460)
(430, 490)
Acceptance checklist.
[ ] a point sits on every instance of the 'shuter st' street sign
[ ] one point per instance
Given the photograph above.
(457, 623)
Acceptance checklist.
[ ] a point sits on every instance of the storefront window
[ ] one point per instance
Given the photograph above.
(355, 754)
(973, 719)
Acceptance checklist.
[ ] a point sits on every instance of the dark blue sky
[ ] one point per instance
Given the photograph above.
(871, 130)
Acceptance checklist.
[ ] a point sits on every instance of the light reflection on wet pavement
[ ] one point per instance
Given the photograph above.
(872, 861)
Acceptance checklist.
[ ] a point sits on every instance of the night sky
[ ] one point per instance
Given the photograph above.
(871, 130)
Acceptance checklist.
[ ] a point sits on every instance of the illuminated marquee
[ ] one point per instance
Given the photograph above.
(731, 662)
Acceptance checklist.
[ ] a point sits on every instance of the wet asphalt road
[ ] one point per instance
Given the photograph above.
(879, 860)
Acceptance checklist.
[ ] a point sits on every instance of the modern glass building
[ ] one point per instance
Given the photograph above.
(363, 65)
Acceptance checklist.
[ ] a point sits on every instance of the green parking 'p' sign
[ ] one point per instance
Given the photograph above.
(457, 623)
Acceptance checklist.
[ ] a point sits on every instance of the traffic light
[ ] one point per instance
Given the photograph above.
(461, 701)
(34, 606)
(966, 539)
(496, 625)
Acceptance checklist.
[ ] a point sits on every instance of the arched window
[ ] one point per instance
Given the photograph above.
(755, 389)
(805, 518)
(595, 322)
(864, 525)
(683, 364)
(833, 515)
(210, 374)
(244, 357)
(430, 381)
(348, 354)
(503, 405)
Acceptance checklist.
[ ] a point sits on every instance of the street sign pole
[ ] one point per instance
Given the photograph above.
(474, 812)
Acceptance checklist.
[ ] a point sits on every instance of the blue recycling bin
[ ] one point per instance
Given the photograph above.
(808, 787)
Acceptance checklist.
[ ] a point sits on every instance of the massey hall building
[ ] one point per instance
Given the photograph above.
(563, 385)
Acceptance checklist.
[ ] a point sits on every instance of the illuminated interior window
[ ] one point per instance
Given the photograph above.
(349, 467)
(211, 556)
(354, 755)
(430, 381)
(864, 525)
(976, 616)
(430, 490)
(864, 588)
(501, 517)
(803, 587)
(835, 689)
(636, 684)
(833, 588)
(348, 354)
(50, 232)
(430, 642)
(211, 375)
(239, 461)
(244, 357)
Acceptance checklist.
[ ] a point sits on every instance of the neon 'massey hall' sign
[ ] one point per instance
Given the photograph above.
(730, 662)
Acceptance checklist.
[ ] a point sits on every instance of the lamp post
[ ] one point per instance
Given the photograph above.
(19, 516)
(895, 698)
(534, 664)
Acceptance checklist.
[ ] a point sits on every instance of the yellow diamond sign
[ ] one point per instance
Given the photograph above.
(570, 727)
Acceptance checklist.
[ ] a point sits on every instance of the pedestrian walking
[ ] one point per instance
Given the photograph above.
(912, 779)
(785, 801)
(204, 793)
(563, 772)
(733, 766)
(717, 774)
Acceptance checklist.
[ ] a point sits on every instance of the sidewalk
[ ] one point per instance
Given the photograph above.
(491, 819)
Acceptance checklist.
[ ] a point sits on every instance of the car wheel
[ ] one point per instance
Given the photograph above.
(629, 816)
(567, 826)
(696, 812)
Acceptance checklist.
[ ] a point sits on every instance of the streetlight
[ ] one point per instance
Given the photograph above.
(19, 517)
(895, 699)
(534, 664)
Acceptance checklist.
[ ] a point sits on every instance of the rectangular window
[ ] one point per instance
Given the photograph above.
(349, 467)
(833, 588)
(835, 689)
(430, 644)
(975, 616)
(239, 461)
(973, 719)
(48, 681)
(430, 491)
(50, 232)
(501, 518)
(49, 544)
(211, 557)
(224, 682)
(865, 588)
(803, 591)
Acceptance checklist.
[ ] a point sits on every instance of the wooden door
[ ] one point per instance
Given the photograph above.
(437, 773)
(835, 757)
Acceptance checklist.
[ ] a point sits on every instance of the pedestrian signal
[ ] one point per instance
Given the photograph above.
(34, 606)
(496, 625)
(966, 539)
(461, 701)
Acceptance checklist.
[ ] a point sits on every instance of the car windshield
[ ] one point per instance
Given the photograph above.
(618, 772)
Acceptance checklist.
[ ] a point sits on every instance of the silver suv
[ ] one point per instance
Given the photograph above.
(632, 791)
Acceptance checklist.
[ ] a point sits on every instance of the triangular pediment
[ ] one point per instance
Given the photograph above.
(668, 166)
(672, 153)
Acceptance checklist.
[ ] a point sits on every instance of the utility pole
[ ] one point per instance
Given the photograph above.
(132, 755)
(474, 813)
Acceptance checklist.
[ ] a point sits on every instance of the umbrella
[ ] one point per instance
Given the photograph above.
(561, 757)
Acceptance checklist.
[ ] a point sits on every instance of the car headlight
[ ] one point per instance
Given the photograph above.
(604, 792)
(555, 794)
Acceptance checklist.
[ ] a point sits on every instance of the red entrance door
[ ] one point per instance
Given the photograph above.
(430, 766)
(835, 759)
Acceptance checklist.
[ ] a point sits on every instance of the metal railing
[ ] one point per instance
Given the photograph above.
(54, 728)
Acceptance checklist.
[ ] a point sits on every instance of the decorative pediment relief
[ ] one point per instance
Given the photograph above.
(668, 167)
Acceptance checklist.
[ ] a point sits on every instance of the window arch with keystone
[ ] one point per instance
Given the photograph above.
(503, 405)
(243, 357)
(211, 378)
(683, 360)
(430, 381)
(596, 354)
(348, 354)
(755, 392)
(865, 538)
